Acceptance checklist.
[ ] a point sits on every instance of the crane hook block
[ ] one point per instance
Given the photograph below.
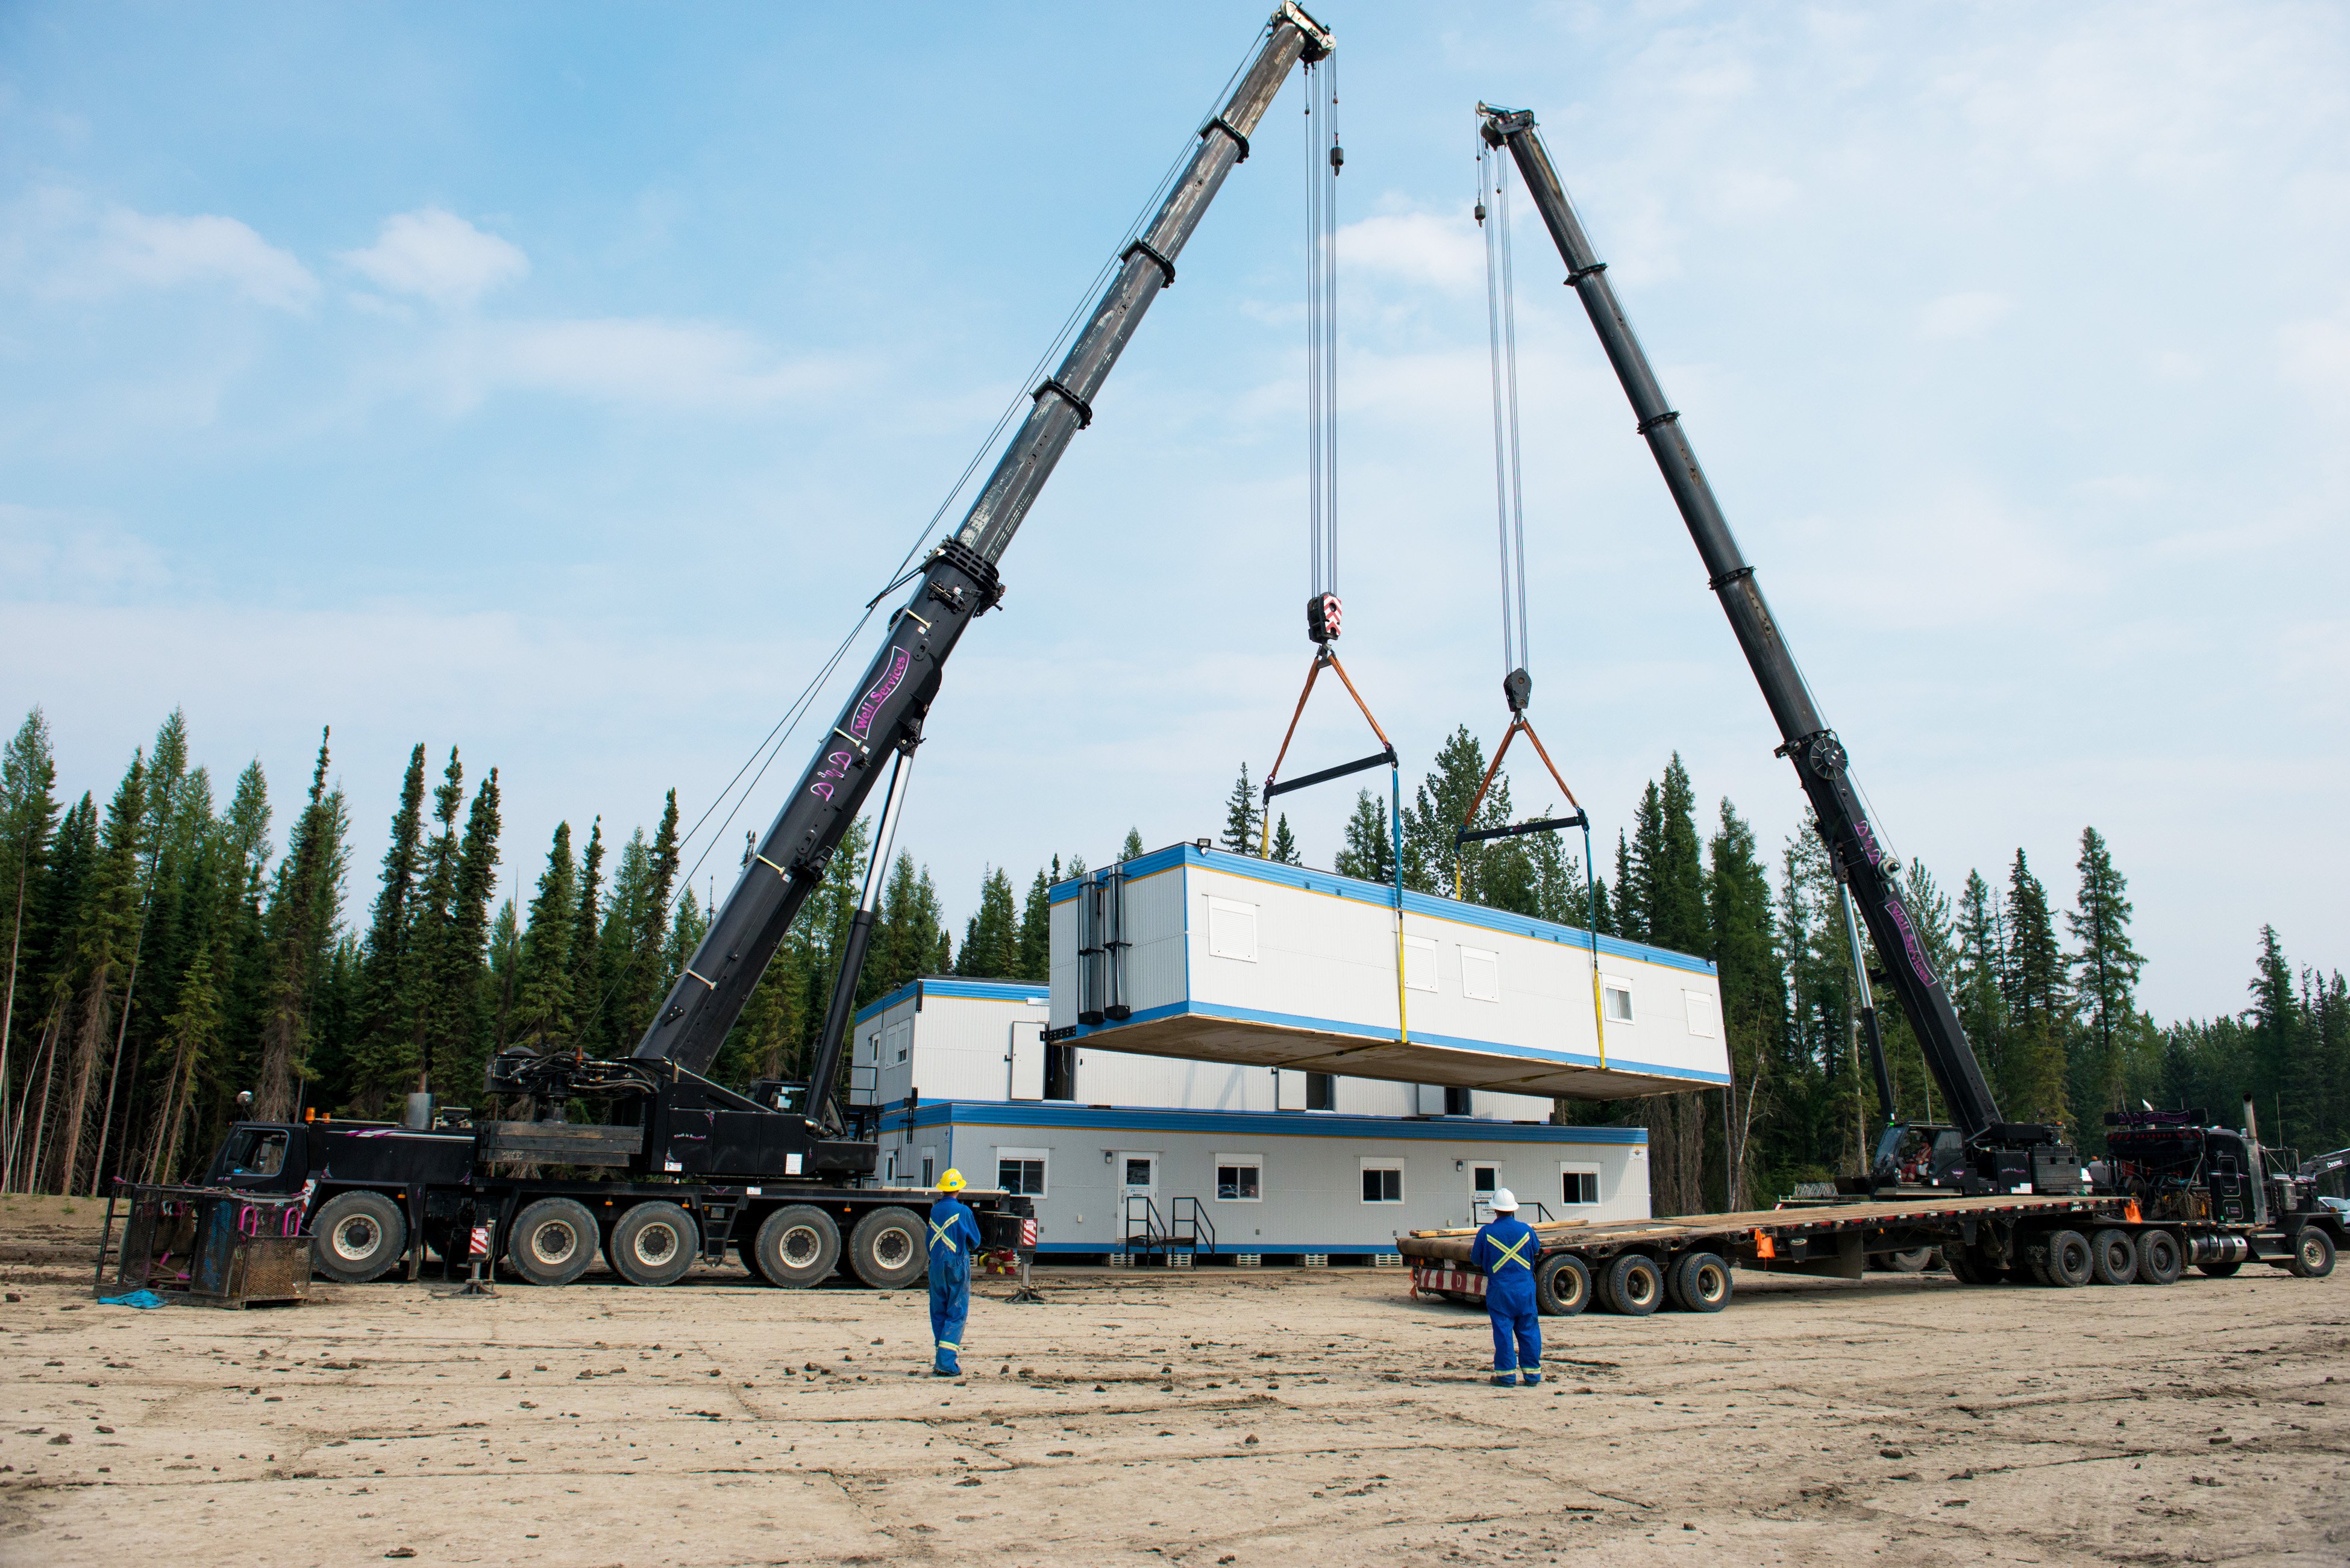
(1321, 613)
(1517, 689)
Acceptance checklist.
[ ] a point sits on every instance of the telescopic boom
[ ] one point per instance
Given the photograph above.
(959, 582)
(1862, 864)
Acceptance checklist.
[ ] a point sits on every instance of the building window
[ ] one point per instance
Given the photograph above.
(1480, 974)
(929, 1167)
(1139, 1171)
(1321, 1091)
(1382, 1183)
(1021, 1171)
(1578, 1184)
(1239, 1178)
(1704, 1016)
(1456, 1101)
(1418, 963)
(1619, 1003)
(1483, 1179)
(1060, 1072)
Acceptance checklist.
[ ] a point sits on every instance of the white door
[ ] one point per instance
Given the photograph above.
(1138, 1188)
(1289, 1089)
(1026, 1056)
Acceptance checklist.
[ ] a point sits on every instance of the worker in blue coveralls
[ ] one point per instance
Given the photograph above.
(1505, 1251)
(954, 1239)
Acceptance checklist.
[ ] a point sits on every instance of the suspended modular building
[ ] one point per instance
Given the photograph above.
(1196, 953)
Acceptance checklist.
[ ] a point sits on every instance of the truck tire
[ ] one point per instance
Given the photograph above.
(1967, 1267)
(1561, 1285)
(797, 1246)
(1914, 1260)
(1699, 1281)
(2159, 1260)
(2312, 1253)
(653, 1244)
(2064, 1260)
(553, 1242)
(357, 1237)
(1636, 1286)
(889, 1249)
(2114, 1255)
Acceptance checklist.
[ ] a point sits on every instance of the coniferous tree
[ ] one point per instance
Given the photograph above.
(28, 817)
(1432, 861)
(1132, 848)
(1035, 961)
(2032, 1076)
(2275, 1023)
(1754, 988)
(1368, 853)
(1284, 844)
(104, 934)
(304, 913)
(588, 947)
(386, 1025)
(2105, 970)
(910, 938)
(1241, 816)
(460, 1044)
(649, 977)
(990, 939)
(543, 1003)
(1629, 919)
(506, 969)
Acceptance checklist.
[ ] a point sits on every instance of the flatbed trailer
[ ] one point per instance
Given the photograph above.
(1687, 1262)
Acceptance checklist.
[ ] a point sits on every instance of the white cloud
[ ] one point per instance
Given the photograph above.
(1418, 248)
(1966, 315)
(437, 256)
(674, 364)
(69, 558)
(67, 248)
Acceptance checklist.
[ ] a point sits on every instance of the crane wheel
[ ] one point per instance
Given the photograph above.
(1912, 1260)
(1967, 1267)
(357, 1237)
(1699, 1281)
(1561, 1285)
(2159, 1260)
(653, 1244)
(2312, 1253)
(889, 1249)
(553, 1241)
(797, 1246)
(2114, 1256)
(1636, 1286)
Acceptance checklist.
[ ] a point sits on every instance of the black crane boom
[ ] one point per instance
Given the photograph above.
(959, 582)
(1820, 760)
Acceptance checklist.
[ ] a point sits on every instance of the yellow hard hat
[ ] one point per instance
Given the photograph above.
(952, 1181)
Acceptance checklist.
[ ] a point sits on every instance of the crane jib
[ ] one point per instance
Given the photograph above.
(959, 582)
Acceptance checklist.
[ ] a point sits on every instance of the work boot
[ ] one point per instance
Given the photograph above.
(943, 1370)
(1532, 1379)
(1504, 1380)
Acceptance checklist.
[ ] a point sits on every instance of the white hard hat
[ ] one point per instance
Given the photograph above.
(1505, 1202)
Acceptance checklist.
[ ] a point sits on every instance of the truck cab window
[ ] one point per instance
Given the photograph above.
(258, 1151)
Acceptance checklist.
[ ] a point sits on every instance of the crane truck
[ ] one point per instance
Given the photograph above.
(682, 1166)
(1998, 1200)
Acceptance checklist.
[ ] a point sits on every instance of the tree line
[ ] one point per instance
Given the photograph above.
(169, 951)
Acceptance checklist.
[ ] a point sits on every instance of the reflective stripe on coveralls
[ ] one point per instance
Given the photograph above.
(1504, 1252)
(955, 1237)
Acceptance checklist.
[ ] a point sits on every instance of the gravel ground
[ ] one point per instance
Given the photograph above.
(1222, 1416)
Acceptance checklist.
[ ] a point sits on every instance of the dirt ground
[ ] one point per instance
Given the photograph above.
(1220, 1417)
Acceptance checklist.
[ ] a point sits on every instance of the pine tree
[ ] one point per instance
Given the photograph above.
(103, 937)
(1132, 848)
(1629, 913)
(543, 986)
(505, 968)
(2275, 1023)
(588, 947)
(910, 938)
(1036, 951)
(460, 1044)
(1432, 861)
(1754, 987)
(1284, 844)
(387, 1026)
(990, 939)
(1670, 876)
(28, 817)
(304, 912)
(2032, 1077)
(1368, 853)
(2106, 971)
(1241, 816)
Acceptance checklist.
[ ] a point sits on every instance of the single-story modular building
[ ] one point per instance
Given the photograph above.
(1256, 1161)
(1197, 952)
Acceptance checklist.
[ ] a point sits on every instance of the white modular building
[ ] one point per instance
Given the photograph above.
(1199, 953)
(1242, 1161)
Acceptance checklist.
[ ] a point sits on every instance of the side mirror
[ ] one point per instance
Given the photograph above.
(245, 1099)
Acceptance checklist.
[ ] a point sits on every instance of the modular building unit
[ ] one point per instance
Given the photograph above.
(1218, 957)
(1274, 1183)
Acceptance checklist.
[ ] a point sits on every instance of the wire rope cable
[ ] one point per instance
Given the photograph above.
(1501, 337)
(1324, 158)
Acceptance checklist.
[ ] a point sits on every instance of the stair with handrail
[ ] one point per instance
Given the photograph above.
(1185, 1231)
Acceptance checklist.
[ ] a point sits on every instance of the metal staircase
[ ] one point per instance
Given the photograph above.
(1177, 1237)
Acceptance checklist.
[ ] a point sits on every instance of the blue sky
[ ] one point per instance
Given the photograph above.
(556, 382)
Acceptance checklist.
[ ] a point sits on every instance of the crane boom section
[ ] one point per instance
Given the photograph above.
(886, 707)
(1819, 757)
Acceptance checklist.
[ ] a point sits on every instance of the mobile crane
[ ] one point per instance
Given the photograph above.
(2001, 1201)
(776, 1169)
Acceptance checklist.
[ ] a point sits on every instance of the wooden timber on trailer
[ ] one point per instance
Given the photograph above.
(1759, 1238)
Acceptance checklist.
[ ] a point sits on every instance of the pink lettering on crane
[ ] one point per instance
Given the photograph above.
(870, 706)
(834, 768)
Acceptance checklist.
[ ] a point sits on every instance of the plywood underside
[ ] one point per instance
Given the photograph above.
(1200, 1038)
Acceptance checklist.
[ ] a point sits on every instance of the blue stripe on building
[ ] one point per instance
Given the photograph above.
(948, 985)
(1287, 1123)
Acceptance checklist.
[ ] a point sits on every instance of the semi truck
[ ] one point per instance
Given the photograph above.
(1998, 1200)
(681, 1167)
